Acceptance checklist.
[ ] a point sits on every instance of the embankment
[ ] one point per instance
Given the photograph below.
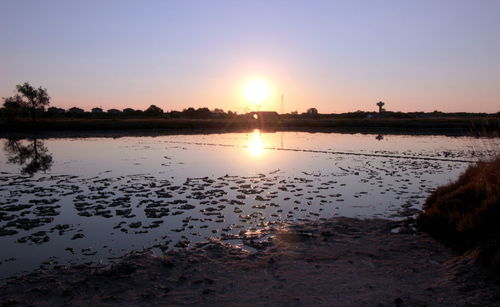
(452, 126)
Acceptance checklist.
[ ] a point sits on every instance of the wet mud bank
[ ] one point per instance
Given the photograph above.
(332, 262)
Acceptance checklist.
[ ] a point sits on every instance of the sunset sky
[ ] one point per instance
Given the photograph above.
(337, 56)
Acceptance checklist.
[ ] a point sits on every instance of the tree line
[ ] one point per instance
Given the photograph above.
(31, 102)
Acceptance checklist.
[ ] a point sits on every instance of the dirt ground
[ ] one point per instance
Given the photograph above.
(336, 262)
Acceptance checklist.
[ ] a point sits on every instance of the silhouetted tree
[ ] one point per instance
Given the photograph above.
(128, 111)
(189, 112)
(203, 113)
(32, 158)
(32, 99)
(312, 111)
(12, 107)
(175, 114)
(114, 111)
(75, 112)
(154, 110)
(55, 110)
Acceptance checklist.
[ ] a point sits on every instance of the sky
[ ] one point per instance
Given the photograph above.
(336, 56)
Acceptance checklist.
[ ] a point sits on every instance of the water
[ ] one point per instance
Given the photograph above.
(74, 200)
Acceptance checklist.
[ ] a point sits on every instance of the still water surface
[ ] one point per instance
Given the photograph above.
(92, 199)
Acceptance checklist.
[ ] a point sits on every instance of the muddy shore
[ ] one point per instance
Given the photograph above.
(335, 262)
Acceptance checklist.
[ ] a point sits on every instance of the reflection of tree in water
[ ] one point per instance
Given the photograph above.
(32, 158)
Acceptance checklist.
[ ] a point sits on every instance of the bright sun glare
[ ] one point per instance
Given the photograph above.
(256, 145)
(256, 91)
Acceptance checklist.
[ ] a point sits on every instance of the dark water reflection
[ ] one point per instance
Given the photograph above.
(31, 155)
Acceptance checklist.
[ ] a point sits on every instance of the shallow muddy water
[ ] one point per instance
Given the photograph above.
(77, 200)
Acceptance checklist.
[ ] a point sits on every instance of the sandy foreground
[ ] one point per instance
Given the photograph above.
(336, 262)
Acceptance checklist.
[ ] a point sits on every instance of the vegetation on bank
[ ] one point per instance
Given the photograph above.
(479, 126)
(466, 214)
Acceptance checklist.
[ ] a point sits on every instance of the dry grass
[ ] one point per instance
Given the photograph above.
(466, 213)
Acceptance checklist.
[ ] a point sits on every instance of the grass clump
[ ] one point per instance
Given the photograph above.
(466, 214)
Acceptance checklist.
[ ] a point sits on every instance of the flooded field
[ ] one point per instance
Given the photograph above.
(76, 200)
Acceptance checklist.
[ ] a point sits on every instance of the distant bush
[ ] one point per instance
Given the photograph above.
(154, 111)
(466, 213)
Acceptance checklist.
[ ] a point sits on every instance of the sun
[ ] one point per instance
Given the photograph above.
(256, 91)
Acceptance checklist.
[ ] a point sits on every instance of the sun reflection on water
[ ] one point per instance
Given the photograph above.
(255, 145)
